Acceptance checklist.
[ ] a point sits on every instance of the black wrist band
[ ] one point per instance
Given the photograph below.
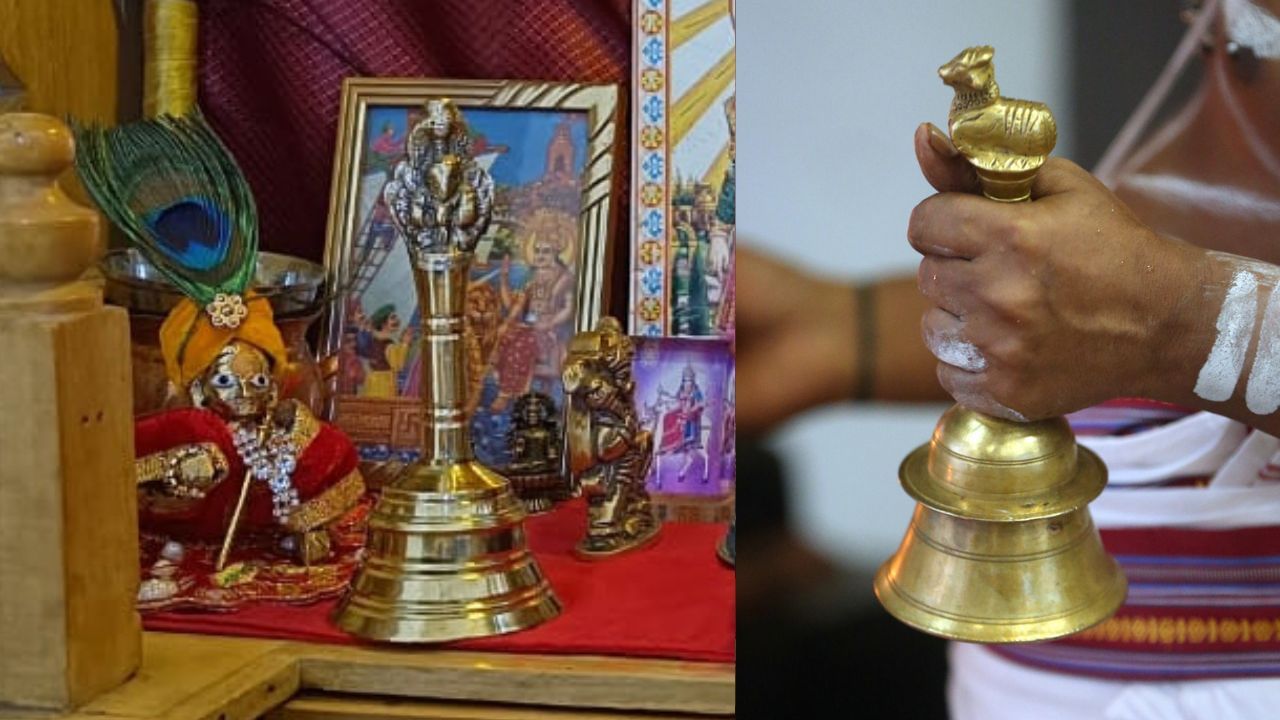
(864, 386)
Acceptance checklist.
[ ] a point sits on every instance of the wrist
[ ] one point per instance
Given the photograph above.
(1179, 338)
(837, 341)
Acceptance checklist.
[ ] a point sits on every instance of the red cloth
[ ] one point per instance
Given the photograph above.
(673, 599)
(327, 459)
(266, 573)
(271, 78)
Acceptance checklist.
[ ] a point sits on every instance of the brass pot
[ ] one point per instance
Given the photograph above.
(295, 288)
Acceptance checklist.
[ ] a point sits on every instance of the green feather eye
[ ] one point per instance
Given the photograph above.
(177, 194)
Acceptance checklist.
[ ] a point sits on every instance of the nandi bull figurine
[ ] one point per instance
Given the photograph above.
(609, 454)
(1006, 140)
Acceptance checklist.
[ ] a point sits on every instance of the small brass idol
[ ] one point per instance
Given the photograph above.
(1001, 548)
(609, 454)
(536, 471)
(446, 556)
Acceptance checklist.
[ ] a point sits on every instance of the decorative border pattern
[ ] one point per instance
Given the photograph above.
(650, 161)
(1147, 629)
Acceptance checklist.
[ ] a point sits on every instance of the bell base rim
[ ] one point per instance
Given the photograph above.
(1087, 483)
(429, 629)
(641, 542)
(949, 627)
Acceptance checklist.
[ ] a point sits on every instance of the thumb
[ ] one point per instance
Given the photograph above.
(942, 164)
(1060, 176)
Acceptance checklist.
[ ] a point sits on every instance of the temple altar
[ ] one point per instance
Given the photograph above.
(136, 528)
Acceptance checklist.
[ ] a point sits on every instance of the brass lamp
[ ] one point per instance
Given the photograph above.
(446, 556)
(1001, 548)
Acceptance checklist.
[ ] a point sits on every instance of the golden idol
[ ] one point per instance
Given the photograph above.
(1001, 548)
(609, 453)
(446, 556)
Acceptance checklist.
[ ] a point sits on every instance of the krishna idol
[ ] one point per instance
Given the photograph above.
(239, 463)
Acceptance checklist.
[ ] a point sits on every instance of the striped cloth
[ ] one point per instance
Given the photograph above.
(1202, 604)
(1201, 550)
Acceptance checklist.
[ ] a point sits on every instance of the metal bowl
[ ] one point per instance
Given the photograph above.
(293, 286)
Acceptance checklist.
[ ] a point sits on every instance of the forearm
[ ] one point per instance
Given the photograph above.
(870, 348)
(901, 368)
(802, 342)
(1225, 354)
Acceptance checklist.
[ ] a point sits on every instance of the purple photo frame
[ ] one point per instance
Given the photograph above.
(684, 397)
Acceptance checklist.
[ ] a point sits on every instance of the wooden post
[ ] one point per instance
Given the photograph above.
(68, 507)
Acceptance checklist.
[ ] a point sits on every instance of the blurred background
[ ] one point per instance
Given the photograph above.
(829, 94)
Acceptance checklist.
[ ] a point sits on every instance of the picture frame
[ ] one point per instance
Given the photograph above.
(683, 129)
(540, 273)
(685, 398)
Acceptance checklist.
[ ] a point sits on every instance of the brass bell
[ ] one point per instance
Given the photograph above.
(446, 556)
(446, 559)
(1001, 547)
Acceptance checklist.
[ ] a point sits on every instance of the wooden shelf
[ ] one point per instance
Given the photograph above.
(227, 678)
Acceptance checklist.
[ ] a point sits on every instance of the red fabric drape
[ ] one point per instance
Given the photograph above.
(674, 599)
(271, 79)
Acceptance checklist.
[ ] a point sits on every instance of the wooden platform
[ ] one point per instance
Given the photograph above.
(226, 678)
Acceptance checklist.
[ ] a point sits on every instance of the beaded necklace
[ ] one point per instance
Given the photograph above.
(271, 461)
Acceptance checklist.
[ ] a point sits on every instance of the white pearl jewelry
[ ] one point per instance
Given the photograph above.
(271, 462)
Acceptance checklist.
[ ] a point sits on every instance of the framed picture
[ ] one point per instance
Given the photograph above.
(539, 274)
(682, 168)
(684, 396)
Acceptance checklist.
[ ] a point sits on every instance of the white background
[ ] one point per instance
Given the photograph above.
(829, 94)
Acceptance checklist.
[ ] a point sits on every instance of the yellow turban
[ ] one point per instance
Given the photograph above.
(190, 342)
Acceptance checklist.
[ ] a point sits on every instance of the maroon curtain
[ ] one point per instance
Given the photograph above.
(271, 77)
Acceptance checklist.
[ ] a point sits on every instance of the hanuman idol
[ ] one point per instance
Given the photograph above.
(609, 453)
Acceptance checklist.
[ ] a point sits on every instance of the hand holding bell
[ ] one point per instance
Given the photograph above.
(1001, 547)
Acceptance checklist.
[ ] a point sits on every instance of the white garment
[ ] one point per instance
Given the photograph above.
(1203, 442)
(985, 686)
(1251, 25)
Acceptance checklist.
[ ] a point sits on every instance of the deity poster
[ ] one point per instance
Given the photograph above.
(685, 399)
(684, 122)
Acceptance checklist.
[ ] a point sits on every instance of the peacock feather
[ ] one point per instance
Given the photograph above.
(178, 196)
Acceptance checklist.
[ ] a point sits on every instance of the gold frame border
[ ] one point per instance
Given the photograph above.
(596, 225)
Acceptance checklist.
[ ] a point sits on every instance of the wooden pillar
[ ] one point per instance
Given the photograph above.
(68, 508)
(65, 53)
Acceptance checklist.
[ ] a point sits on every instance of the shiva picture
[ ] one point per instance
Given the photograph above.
(682, 399)
(523, 302)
